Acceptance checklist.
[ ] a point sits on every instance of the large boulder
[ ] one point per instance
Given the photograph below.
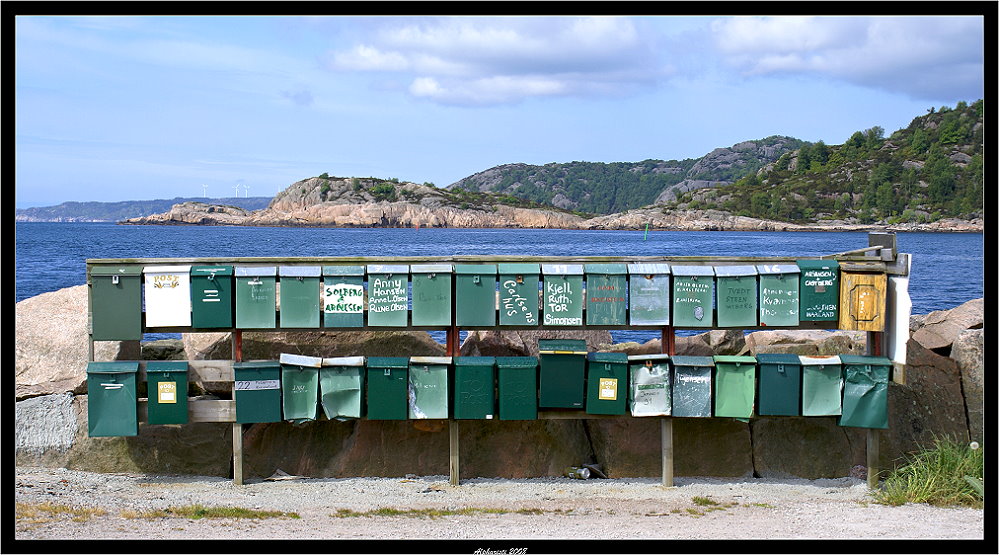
(270, 345)
(939, 329)
(525, 342)
(968, 351)
(807, 342)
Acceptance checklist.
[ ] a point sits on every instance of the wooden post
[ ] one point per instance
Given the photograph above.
(667, 346)
(873, 449)
(237, 428)
(453, 466)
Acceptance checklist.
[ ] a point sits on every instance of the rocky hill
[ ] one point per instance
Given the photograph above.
(116, 211)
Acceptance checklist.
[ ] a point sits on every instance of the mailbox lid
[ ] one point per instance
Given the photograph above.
(693, 271)
(820, 360)
(734, 360)
(516, 362)
(431, 269)
(562, 269)
(562, 346)
(692, 361)
(176, 269)
(648, 269)
(778, 358)
(209, 271)
(166, 366)
(475, 269)
(129, 270)
(343, 270)
(860, 360)
(256, 271)
(112, 367)
(475, 361)
(344, 361)
(606, 269)
(518, 268)
(300, 271)
(388, 362)
(735, 271)
(777, 269)
(611, 358)
(388, 269)
(300, 360)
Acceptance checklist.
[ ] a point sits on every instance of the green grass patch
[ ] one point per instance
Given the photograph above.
(703, 501)
(200, 511)
(937, 476)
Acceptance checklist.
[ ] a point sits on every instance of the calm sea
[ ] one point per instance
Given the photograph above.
(947, 268)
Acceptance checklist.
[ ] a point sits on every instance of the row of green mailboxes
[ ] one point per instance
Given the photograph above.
(294, 389)
(335, 296)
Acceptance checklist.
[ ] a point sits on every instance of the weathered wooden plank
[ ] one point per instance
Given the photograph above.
(200, 410)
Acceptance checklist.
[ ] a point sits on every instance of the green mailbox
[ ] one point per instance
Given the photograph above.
(865, 391)
(211, 296)
(821, 386)
(475, 295)
(779, 285)
(562, 379)
(388, 295)
(606, 383)
(819, 290)
(388, 388)
(737, 288)
(300, 387)
(166, 386)
(257, 389)
(431, 294)
(428, 387)
(112, 401)
(649, 294)
(256, 297)
(116, 303)
(779, 385)
(651, 391)
(735, 386)
(606, 294)
(300, 296)
(341, 387)
(563, 294)
(519, 286)
(693, 296)
(474, 388)
(343, 296)
(692, 386)
(517, 387)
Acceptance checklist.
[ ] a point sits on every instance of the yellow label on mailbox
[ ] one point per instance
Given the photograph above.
(167, 392)
(608, 389)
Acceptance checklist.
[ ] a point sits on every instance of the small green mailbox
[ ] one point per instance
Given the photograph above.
(428, 387)
(112, 401)
(779, 385)
(693, 296)
(606, 383)
(341, 387)
(388, 388)
(343, 296)
(474, 388)
(649, 294)
(211, 296)
(737, 289)
(651, 392)
(821, 386)
(300, 387)
(257, 389)
(518, 294)
(166, 386)
(431, 294)
(300, 296)
(562, 380)
(819, 290)
(475, 295)
(779, 285)
(606, 294)
(692, 386)
(735, 386)
(256, 297)
(116, 303)
(865, 391)
(388, 295)
(517, 387)
(563, 295)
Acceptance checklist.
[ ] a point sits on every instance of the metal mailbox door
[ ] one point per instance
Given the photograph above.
(692, 386)
(563, 293)
(112, 401)
(735, 386)
(474, 388)
(431, 294)
(116, 303)
(780, 384)
(779, 285)
(607, 383)
(300, 296)
(211, 296)
(341, 387)
(343, 296)
(865, 391)
(649, 294)
(388, 388)
(562, 380)
(257, 389)
(737, 302)
(821, 386)
(166, 386)
(428, 387)
(519, 286)
(651, 391)
(475, 295)
(168, 296)
(517, 387)
(819, 290)
(693, 296)
(256, 297)
(388, 295)
(300, 387)
(606, 294)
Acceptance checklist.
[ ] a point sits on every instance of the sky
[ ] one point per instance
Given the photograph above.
(112, 108)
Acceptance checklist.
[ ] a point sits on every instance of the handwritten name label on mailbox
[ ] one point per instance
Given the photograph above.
(563, 294)
(343, 298)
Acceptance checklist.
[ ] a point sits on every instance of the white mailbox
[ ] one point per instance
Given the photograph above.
(168, 296)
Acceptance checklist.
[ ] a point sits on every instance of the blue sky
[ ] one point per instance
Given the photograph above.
(131, 108)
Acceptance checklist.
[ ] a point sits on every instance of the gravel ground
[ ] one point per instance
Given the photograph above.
(497, 509)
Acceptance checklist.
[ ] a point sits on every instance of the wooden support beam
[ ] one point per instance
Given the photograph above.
(873, 453)
(666, 432)
(237, 453)
(453, 465)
